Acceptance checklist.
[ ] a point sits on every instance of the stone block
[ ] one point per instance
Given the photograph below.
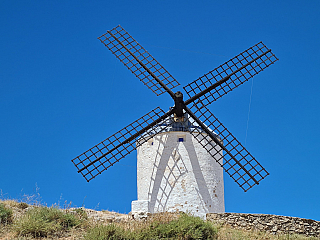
(140, 206)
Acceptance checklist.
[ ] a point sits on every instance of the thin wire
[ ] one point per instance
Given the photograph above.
(245, 141)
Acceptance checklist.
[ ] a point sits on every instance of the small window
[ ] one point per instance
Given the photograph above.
(150, 141)
(181, 138)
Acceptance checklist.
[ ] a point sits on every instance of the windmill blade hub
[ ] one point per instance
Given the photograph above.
(178, 104)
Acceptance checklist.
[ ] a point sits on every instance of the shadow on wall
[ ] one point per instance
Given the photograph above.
(165, 170)
(168, 169)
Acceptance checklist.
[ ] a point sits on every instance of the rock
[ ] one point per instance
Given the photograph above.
(140, 215)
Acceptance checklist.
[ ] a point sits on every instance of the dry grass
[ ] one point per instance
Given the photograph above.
(71, 224)
(10, 203)
(36, 222)
(14, 204)
(162, 218)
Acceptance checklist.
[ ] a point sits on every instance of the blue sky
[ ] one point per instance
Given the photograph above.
(62, 92)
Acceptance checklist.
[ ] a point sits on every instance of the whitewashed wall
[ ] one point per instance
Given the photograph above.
(178, 176)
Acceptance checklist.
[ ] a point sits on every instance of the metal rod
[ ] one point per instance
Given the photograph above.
(144, 66)
(216, 140)
(213, 86)
(130, 138)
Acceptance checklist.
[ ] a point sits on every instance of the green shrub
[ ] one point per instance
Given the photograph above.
(111, 231)
(5, 214)
(185, 227)
(44, 221)
(81, 213)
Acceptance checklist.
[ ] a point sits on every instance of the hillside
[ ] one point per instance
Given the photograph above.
(22, 221)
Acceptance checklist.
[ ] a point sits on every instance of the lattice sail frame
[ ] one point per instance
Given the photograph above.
(233, 146)
(91, 170)
(266, 59)
(125, 56)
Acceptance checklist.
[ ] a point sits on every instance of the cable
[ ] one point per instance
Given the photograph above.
(245, 141)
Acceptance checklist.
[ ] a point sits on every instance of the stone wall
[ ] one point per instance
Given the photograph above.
(270, 223)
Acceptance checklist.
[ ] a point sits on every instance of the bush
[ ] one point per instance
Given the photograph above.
(22, 205)
(185, 227)
(81, 213)
(44, 221)
(5, 214)
(111, 231)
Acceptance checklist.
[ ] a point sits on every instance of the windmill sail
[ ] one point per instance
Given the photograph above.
(237, 71)
(138, 60)
(105, 154)
(241, 166)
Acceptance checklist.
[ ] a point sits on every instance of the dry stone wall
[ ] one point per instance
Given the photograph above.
(269, 223)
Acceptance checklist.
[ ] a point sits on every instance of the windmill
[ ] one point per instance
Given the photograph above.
(191, 116)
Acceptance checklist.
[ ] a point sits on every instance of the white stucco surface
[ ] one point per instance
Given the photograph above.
(178, 176)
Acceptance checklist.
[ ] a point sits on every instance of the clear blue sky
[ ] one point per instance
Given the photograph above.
(62, 92)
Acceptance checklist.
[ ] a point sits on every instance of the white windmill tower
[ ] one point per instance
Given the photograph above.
(176, 173)
(181, 153)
